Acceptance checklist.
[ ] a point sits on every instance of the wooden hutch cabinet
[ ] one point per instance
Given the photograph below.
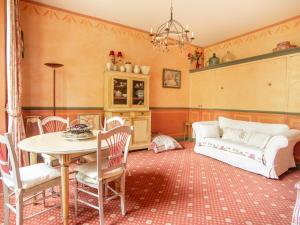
(127, 95)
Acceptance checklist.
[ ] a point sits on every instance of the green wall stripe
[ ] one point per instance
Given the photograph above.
(61, 108)
(163, 108)
(249, 59)
(252, 111)
(154, 108)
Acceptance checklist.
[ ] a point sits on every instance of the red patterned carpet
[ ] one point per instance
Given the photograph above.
(181, 187)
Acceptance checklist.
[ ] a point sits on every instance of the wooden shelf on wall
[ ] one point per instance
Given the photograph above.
(249, 59)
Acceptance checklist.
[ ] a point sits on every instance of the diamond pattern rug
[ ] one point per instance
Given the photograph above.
(181, 187)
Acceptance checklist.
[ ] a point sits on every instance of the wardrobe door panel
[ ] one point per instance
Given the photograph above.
(293, 70)
(202, 89)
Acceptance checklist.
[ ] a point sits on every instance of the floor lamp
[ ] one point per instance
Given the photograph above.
(54, 66)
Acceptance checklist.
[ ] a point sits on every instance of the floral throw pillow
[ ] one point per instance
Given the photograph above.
(162, 143)
(233, 134)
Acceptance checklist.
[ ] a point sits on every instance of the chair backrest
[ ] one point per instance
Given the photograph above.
(113, 122)
(116, 143)
(53, 124)
(8, 162)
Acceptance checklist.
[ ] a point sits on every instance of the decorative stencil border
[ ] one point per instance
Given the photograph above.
(33, 8)
(255, 35)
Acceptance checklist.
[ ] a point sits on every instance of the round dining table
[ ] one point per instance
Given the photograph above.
(55, 144)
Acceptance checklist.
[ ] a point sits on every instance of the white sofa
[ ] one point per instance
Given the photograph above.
(261, 148)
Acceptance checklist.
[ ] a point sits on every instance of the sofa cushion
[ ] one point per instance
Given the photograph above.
(209, 130)
(243, 149)
(271, 129)
(258, 139)
(88, 172)
(232, 134)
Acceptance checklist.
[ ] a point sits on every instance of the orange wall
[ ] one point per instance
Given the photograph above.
(169, 121)
(82, 44)
(2, 67)
(257, 42)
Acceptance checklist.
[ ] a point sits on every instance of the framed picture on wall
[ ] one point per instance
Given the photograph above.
(171, 78)
(93, 120)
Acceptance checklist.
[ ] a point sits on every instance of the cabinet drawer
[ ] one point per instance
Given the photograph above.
(121, 114)
(145, 113)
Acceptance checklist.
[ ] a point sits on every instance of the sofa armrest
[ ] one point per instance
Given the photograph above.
(291, 134)
(273, 146)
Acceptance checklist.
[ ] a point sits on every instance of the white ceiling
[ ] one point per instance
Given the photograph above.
(211, 20)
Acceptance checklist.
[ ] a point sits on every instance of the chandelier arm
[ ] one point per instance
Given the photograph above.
(161, 28)
(179, 24)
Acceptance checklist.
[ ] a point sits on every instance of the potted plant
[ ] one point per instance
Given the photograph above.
(196, 56)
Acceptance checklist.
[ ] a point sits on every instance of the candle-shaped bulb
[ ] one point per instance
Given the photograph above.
(192, 34)
(187, 27)
(151, 31)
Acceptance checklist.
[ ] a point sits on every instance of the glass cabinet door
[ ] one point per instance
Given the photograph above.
(120, 91)
(138, 92)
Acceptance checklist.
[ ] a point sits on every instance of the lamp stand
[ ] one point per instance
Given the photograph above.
(54, 66)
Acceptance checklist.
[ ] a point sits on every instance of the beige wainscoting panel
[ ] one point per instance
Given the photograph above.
(293, 71)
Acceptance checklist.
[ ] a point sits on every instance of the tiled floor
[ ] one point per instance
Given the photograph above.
(181, 187)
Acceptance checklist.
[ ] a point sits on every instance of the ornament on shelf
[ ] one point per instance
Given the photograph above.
(214, 60)
(128, 67)
(115, 59)
(228, 57)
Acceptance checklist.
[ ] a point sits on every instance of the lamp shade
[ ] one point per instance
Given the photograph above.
(111, 53)
(120, 54)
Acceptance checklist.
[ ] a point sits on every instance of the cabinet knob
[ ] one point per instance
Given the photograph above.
(121, 114)
(142, 113)
(222, 88)
(270, 84)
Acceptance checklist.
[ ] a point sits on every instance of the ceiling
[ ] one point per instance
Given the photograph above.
(210, 20)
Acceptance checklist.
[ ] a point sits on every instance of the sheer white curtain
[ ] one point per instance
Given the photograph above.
(13, 60)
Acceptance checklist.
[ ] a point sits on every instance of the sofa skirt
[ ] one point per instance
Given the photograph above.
(238, 161)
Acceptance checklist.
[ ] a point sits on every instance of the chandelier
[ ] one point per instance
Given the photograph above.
(171, 34)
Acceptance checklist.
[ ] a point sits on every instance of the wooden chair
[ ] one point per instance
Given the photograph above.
(23, 184)
(109, 124)
(113, 122)
(106, 169)
(48, 125)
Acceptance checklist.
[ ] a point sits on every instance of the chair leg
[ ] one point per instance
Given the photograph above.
(61, 207)
(100, 203)
(6, 201)
(44, 198)
(19, 209)
(106, 190)
(122, 195)
(76, 197)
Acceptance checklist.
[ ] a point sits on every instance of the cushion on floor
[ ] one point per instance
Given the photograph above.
(162, 143)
